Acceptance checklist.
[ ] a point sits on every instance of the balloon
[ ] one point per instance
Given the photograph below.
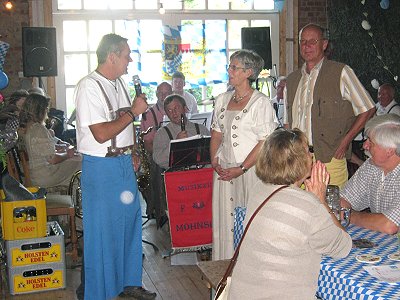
(279, 5)
(385, 4)
(365, 25)
(3, 80)
(375, 83)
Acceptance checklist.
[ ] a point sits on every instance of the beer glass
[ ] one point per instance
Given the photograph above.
(333, 201)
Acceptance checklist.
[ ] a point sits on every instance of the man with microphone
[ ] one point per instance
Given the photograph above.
(111, 204)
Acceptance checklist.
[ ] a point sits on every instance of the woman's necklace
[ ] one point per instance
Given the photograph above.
(237, 99)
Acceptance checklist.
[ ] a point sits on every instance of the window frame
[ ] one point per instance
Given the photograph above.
(172, 18)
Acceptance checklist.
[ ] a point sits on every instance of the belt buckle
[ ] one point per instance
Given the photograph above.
(112, 152)
(127, 151)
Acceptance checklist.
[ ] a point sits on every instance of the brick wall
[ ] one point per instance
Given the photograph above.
(312, 11)
(11, 23)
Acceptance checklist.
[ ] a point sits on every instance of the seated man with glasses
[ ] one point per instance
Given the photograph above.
(376, 184)
(179, 127)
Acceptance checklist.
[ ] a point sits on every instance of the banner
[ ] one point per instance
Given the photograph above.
(189, 199)
(3, 51)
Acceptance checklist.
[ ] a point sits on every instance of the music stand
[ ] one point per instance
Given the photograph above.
(193, 151)
(184, 154)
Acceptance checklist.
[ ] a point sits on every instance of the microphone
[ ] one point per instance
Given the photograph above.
(275, 105)
(137, 84)
(182, 122)
(275, 71)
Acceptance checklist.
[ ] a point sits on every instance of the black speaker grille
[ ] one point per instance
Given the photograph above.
(258, 39)
(39, 51)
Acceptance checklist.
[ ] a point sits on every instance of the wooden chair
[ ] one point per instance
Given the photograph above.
(56, 204)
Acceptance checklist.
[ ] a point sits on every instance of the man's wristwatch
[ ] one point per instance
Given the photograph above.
(243, 169)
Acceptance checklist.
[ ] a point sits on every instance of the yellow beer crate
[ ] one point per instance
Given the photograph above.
(36, 278)
(23, 219)
(49, 249)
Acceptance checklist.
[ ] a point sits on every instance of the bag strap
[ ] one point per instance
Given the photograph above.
(221, 285)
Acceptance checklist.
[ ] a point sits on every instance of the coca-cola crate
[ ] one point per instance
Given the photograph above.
(23, 219)
(49, 249)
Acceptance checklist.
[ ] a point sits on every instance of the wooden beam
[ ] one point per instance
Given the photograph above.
(295, 34)
(282, 39)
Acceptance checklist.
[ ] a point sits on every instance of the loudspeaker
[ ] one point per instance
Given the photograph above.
(258, 39)
(39, 51)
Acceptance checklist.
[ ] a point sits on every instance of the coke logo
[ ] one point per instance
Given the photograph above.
(25, 229)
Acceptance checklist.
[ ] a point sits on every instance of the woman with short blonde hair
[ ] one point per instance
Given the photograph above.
(281, 253)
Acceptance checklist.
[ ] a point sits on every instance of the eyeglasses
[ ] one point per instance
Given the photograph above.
(309, 42)
(234, 68)
(295, 136)
(176, 109)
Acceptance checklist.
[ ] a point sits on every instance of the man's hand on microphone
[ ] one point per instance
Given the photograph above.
(139, 105)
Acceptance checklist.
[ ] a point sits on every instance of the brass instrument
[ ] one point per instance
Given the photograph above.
(75, 191)
(143, 178)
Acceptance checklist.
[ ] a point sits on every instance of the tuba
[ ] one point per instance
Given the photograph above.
(143, 178)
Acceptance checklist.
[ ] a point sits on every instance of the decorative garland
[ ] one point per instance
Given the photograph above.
(366, 26)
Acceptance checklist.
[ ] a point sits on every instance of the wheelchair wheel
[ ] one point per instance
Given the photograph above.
(75, 192)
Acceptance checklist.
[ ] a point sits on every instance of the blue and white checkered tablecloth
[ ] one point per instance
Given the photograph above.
(346, 279)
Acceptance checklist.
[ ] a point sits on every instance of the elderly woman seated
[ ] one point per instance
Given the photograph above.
(52, 162)
(281, 253)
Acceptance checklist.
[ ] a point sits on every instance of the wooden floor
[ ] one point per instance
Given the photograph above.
(170, 282)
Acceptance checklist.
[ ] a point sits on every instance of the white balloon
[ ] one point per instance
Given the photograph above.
(365, 25)
(375, 83)
(127, 197)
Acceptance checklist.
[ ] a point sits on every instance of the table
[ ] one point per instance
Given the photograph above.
(341, 278)
(346, 279)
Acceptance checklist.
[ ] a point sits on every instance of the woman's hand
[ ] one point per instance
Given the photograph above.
(230, 173)
(318, 181)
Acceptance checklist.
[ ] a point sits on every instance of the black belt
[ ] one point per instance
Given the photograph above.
(114, 152)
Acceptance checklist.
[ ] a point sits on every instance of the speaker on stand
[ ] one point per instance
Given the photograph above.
(39, 52)
(258, 39)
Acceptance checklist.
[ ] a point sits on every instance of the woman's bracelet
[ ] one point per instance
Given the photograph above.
(243, 169)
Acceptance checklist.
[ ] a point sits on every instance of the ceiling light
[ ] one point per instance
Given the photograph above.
(8, 5)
